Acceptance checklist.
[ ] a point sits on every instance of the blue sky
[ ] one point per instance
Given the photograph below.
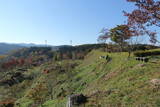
(58, 21)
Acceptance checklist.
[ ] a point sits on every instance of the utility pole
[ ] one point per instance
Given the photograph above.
(71, 42)
(46, 43)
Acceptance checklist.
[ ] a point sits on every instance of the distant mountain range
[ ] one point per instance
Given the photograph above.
(32, 45)
(8, 47)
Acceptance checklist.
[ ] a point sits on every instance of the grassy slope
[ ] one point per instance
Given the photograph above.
(119, 82)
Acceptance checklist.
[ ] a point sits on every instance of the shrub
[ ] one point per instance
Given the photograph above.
(146, 53)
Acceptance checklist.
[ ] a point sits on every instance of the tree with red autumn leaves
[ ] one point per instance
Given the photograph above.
(146, 15)
(16, 62)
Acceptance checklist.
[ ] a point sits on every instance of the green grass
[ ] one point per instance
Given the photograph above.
(128, 84)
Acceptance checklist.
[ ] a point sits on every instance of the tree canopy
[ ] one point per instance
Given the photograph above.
(145, 16)
(118, 34)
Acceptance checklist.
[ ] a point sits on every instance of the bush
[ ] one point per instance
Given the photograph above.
(146, 53)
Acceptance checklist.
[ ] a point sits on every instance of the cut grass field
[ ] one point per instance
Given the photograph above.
(118, 82)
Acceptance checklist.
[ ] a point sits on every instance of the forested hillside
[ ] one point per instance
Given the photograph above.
(6, 48)
(36, 77)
